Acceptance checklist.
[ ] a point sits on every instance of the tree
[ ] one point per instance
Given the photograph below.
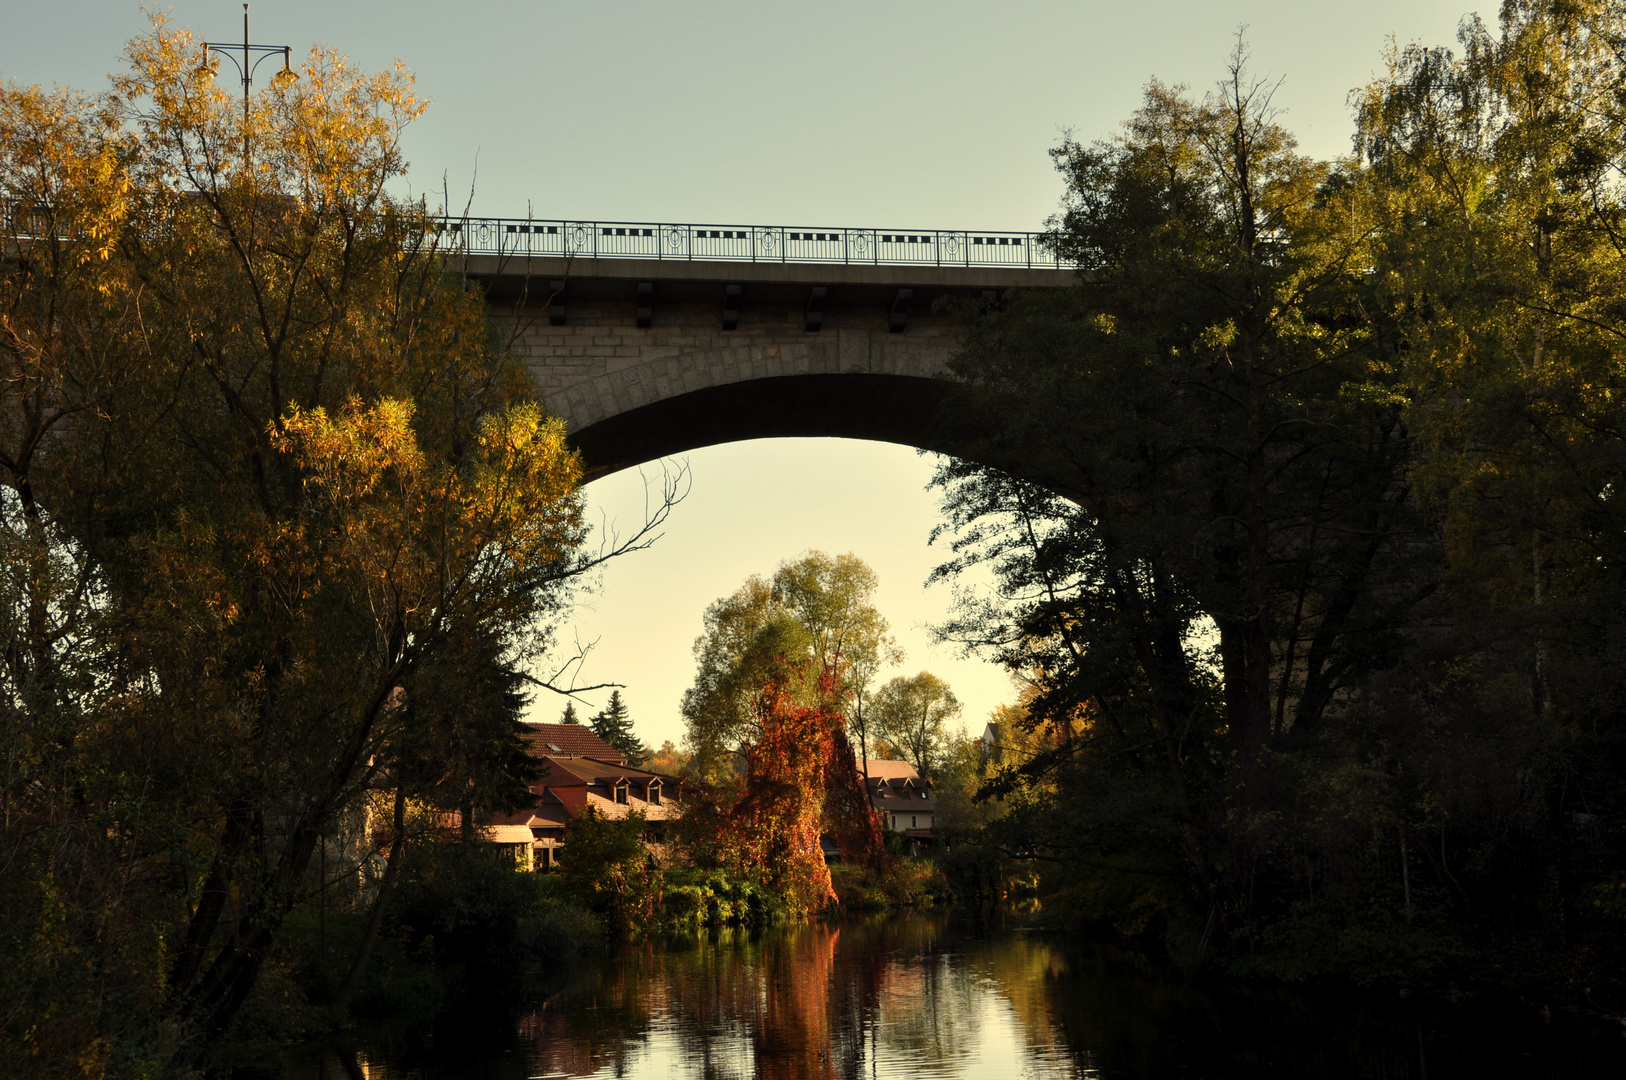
(614, 726)
(772, 831)
(275, 501)
(769, 704)
(1500, 220)
(570, 716)
(607, 866)
(816, 608)
(1215, 542)
(669, 760)
(830, 597)
(912, 714)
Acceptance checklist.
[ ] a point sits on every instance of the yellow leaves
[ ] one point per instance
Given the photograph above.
(349, 457)
(401, 526)
(522, 485)
(1219, 337)
(63, 168)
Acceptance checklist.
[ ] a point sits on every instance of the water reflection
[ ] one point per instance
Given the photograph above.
(926, 997)
(874, 999)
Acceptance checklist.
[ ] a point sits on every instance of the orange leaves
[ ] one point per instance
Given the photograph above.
(772, 833)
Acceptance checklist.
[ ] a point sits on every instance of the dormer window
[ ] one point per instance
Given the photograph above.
(621, 791)
(653, 793)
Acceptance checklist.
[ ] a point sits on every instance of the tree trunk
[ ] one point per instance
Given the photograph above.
(341, 1000)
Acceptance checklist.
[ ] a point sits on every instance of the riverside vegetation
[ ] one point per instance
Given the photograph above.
(1310, 566)
(1316, 570)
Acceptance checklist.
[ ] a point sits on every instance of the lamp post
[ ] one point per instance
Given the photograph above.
(253, 57)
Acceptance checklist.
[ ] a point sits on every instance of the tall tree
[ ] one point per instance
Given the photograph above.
(1206, 553)
(614, 726)
(273, 501)
(830, 598)
(816, 608)
(1502, 241)
(772, 660)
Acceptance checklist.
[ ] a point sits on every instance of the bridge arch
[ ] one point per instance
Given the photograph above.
(645, 358)
(882, 408)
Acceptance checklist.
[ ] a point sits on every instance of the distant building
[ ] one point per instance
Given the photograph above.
(904, 801)
(989, 744)
(580, 770)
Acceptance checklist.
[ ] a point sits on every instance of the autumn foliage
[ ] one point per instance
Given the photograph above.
(281, 527)
(800, 783)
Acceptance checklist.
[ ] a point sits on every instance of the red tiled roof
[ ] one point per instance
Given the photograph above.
(896, 771)
(576, 739)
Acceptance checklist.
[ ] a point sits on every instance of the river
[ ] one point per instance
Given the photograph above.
(935, 996)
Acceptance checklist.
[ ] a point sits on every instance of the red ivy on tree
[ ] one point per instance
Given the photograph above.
(801, 776)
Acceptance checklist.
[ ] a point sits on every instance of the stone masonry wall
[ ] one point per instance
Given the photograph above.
(601, 363)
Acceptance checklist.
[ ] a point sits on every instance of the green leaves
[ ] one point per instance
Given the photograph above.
(813, 616)
(911, 713)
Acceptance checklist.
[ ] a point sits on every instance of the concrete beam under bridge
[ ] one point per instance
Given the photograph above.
(505, 277)
(649, 357)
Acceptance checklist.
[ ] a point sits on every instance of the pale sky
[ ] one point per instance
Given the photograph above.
(874, 114)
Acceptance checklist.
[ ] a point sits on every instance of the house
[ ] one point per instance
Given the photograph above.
(580, 770)
(904, 801)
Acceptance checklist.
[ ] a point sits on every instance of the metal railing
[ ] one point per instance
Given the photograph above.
(690, 243)
(743, 243)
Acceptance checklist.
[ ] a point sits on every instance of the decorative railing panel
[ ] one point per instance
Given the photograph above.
(743, 243)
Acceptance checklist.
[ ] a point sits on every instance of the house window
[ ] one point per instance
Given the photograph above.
(654, 795)
(912, 821)
(621, 793)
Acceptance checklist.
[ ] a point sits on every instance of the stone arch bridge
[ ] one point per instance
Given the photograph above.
(652, 339)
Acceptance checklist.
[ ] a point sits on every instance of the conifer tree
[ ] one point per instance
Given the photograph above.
(614, 726)
(570, 716)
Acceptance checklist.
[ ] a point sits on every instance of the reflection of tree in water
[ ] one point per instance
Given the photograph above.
(740, 1004)
(924, 1003)
(802, 1001)
(786, 1002)
(589, 1026)
(793, 1029)
(930, 996)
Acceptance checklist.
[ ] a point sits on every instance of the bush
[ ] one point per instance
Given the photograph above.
(902, 883)
(463, 923)
(695, 897)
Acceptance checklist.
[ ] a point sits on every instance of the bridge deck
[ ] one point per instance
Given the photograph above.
(505, 275)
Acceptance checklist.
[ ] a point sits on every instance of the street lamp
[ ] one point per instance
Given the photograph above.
(253, 57)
